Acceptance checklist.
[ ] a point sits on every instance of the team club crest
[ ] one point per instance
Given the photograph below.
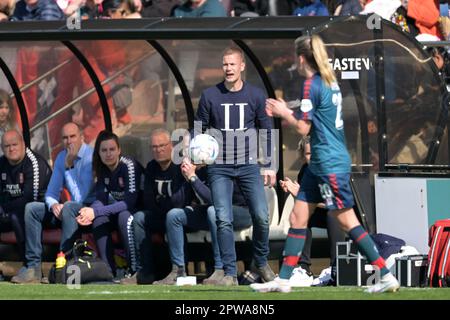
(306, 105)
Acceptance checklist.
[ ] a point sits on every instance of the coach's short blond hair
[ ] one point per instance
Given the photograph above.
(234, 50)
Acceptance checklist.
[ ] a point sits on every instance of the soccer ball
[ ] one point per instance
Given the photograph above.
(203, 149)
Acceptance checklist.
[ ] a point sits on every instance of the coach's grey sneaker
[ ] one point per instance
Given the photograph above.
(171, 278)
(387, 283)
(276, 285)
(28, 275)
(215, 278)
(227, 281)
(265, 273)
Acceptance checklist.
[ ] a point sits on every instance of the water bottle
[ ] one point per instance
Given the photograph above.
(60, 260)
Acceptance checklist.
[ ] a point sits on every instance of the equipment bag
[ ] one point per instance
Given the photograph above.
(91, 268)
(438, 274)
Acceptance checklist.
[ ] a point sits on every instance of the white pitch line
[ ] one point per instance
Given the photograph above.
(125, 292)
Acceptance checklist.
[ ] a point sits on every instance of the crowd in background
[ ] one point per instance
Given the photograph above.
(419, 17)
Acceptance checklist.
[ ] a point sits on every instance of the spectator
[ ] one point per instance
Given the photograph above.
(6, 9)
(311, 8)
(247, 8)
(426, 15)
(24, 178)
(117, 195)
(282, 8)
(401, 18)
(200, 8)
(32, 10)
(383, 8)
(73, 171)
(349, 7)
(237, 106)
(91, 9)
(88, 9)
(158, 8)
(7, 114)
(120, 9)
(70, 6)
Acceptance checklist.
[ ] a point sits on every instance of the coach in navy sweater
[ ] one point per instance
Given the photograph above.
(235, 108)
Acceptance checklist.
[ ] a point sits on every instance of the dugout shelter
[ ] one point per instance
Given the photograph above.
(131, 76)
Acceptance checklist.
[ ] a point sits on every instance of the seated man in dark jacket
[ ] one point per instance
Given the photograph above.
(24, 176)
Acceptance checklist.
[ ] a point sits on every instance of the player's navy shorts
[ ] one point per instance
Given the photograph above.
(332, 189)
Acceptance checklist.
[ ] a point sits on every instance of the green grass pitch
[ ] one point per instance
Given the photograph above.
(200, 292)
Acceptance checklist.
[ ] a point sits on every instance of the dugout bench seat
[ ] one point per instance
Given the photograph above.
(197, 240)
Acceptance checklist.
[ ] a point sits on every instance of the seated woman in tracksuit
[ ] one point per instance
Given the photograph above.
(117, 190)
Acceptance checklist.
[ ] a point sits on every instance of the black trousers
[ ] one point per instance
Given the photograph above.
(15, 222)
(321, 219)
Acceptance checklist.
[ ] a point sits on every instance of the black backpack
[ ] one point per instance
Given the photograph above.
(91, 267)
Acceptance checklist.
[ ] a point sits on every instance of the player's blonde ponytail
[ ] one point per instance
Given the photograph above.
(313, 49)
(321, 57)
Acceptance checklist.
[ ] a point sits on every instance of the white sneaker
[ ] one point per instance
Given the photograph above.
(388, 283)
(276, 285)
(301, 278)
(323, 279)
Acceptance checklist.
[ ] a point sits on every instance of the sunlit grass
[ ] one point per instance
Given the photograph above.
(200, 292)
